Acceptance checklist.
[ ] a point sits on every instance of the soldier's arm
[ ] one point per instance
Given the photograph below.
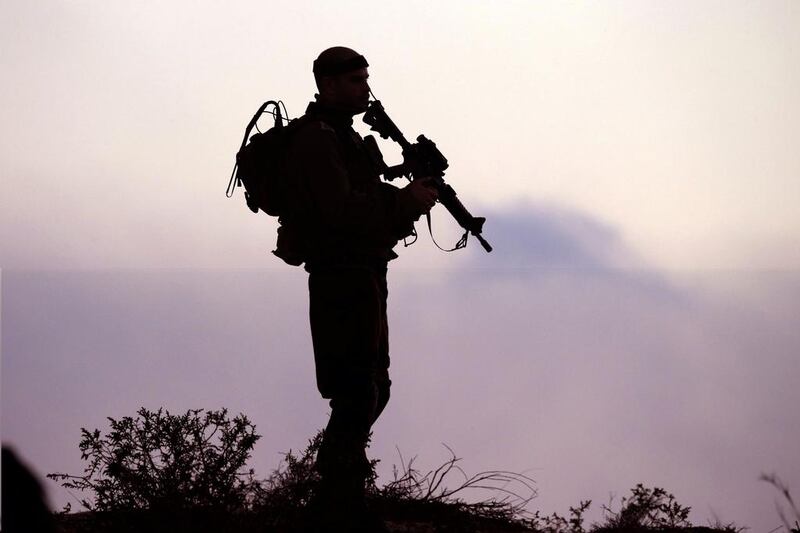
(371, 212)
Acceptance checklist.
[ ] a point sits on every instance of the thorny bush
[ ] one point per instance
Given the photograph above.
(650, 508)
(158, 460)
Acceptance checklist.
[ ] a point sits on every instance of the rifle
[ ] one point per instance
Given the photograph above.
(422, 159)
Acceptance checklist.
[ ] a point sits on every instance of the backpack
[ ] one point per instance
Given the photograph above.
(260, 163)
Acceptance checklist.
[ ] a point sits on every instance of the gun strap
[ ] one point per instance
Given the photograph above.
(462, 243)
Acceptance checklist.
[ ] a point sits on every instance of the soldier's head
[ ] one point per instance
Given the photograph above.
(341, 76)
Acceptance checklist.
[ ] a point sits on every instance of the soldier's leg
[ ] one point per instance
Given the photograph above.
(342, 460)
(382, 380)
(347, 319)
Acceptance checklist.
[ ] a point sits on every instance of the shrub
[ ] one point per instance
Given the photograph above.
(648, 508)
(158, 460)
(556, 523)
(189, 468)
(281, 499)
(645, 509)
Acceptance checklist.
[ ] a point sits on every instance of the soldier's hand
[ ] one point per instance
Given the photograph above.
(423, 194)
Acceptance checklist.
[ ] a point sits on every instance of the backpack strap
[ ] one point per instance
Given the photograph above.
(234, 182)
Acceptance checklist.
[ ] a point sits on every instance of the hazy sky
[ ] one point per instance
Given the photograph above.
(675, 122)
(637, 164)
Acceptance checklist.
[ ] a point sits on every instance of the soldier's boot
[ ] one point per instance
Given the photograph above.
(340, 501)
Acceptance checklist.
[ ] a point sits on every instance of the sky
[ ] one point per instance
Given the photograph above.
(634, 160)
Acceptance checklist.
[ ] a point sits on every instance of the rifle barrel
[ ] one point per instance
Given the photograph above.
(449, 199)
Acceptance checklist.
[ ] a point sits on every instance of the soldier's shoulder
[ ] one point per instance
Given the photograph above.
(314, 125)
(313, 131)
(314, 134)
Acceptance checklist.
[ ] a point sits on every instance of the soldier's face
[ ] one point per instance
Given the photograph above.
(350, 90)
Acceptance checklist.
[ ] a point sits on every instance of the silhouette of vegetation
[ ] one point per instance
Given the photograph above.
(164, 472)
(776, 482)
(159, 460)
(648, 508)
(439, 497)
(645, 509)
(555, 523)
(279, 502)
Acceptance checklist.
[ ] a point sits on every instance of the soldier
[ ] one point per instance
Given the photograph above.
(343, 221)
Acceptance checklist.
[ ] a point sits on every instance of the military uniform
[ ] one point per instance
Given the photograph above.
(343, 222)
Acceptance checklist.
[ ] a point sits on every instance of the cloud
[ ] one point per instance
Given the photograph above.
(543, 236)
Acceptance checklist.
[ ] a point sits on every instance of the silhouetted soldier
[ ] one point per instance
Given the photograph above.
(344, 221)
